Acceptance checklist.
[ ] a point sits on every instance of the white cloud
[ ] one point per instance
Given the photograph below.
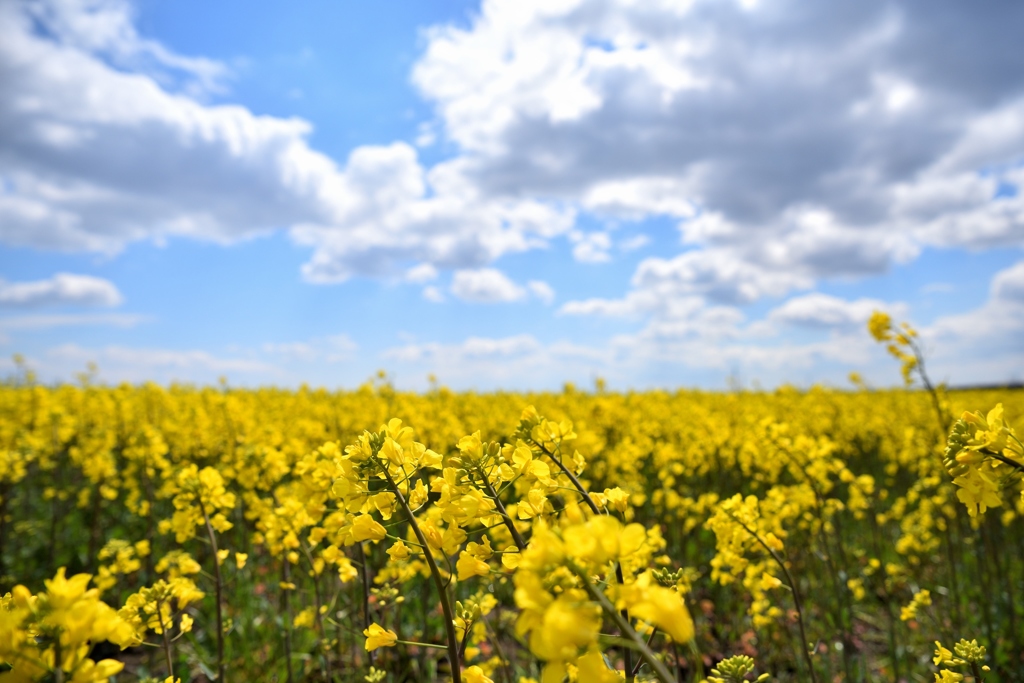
(471, 348)
(103, 142)
(331, 349)
(106, 27)
(485, 285)
(139, 364)
(804, 142)
(633, 304)
(61, 289)
(640, 197)
(37, 321)
(801, 143)
(542, 291)
(389, 210)
(46, 322)
(824, 311)
(634, 243)
(423, 272)
(433, 294)
(1008, 285)
(591, 247)
(985, 344)
(520, 361)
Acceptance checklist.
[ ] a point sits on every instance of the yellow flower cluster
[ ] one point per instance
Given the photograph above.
(900, 343)
(984, 457)
(55, 629)
(601, 537)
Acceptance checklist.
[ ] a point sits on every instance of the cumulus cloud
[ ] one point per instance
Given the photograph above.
(984, 344)
(104, 141)
(678, 287)
(591, 247)
(800, 142)
(61, 289)
(423, 272)
(486, 285)
(1008, 285)
(825, 311)
(826, 143)
(389, 210)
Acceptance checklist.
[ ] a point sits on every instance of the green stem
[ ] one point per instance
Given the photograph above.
(627, 656)
(516, 536)
(796, 595)
(216, 574)
(364, 571)
(943, 426)
(167, 640)
(58, 668)
(624, 627)
(650, 639)
(324, 642)
(449, 617)
(418, 644)
(1006, 461)
(287, 605)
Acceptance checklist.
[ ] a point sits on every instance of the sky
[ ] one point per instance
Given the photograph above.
(510, 194)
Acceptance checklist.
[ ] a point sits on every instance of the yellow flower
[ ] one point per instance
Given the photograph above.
(658, 605)
(942, 655)
(305, 619)
(469, 566)
(880, 326)
(592, 669)
(366, 528)
(378, 636)
(399, 551)
(475, 674)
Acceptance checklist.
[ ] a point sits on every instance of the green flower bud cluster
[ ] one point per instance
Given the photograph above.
(734, 670)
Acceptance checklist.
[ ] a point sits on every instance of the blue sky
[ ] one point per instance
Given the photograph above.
(509, 194)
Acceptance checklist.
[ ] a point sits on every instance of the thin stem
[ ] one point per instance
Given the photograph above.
(364, 570)
(492, 636)
(286, 599)
(650, 639)
(58, 670)
(1006, 461)
(216, 575)
(627, 656)
(167, 640)
(465, 639)
(418, 644)
(449, 618)
(324, 642)
(928, 385)
(572, 477)
(796, 595)
(624, 628)
(698, 661)
(516, 536)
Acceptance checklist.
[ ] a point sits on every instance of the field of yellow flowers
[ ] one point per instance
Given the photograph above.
(376, 535)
